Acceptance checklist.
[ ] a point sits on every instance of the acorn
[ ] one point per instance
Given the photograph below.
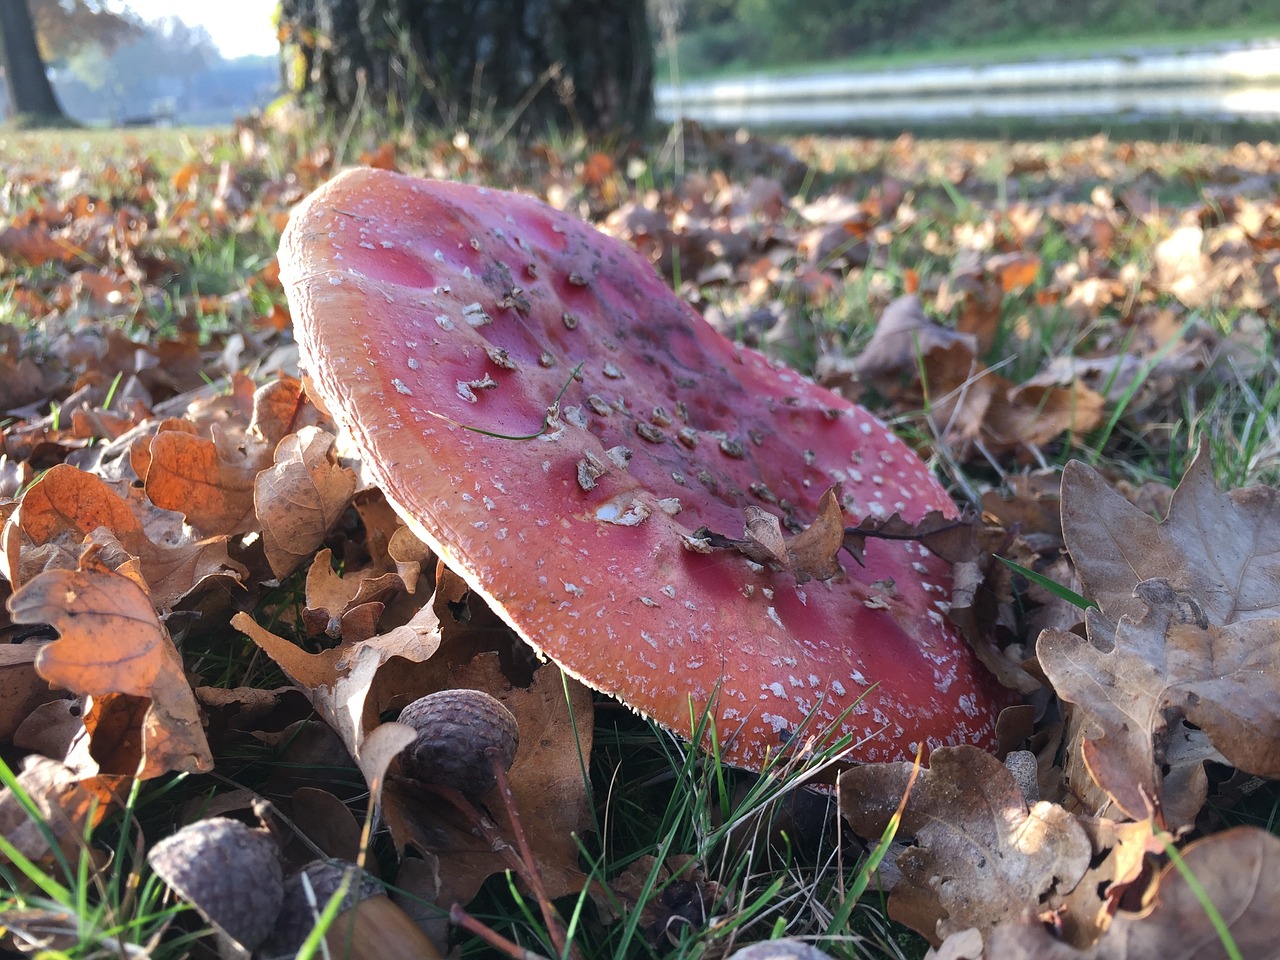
(460, 733)
(368, 925)
(230, 873)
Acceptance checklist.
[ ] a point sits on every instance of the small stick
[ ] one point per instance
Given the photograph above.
(533, 876)
(522, 862)
(460, 918)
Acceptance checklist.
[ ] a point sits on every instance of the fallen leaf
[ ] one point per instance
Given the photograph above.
(1189, 641)
(68, 806)
(377, 750)
(1141, 682)
(1120, 852)
(338, 681)
(812, 552)
(68, 509)
(902, 336)
(1183, 268)
(21, 688)
(345, 607)
(981, 854)
(1215, 548)
(1238, 871)
(112, 643)
(300, 497)
(1015, 271)
(186, 474)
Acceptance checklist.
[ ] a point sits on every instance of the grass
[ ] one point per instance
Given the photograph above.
(665, 802)
(978, 53)
(74, 908)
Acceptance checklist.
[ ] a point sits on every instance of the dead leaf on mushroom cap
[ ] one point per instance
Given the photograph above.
(981, 855)
(439, 321)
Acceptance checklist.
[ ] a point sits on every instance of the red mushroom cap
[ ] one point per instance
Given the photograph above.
(425, 308)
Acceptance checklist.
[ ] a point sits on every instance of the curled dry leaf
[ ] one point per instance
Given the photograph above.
(68, 804)
(376, 751)
(809, 554)
(1188, 631)
(345, 606)
(300, 497)
(112, 643)
(982, 855)
(338, 681)
(1120, 853)
(1237, 870)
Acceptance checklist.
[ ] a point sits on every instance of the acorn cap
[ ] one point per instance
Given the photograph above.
(229, 872)
(459, 731)
(306, 894)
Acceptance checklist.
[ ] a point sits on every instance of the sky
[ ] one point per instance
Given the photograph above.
(238, 27)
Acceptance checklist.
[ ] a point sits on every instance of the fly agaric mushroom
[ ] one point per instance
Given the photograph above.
(439, 321)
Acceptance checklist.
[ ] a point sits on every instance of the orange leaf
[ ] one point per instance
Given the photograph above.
(184, 176)
(187, 474)
(1016, 270)
(596, 169)
(112, 643)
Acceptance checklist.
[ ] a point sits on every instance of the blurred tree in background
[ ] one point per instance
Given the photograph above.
(33, 31)
(481, 65)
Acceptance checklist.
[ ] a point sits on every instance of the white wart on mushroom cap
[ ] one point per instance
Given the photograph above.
(417, 303)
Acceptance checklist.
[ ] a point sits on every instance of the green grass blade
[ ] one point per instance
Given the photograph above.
(1057, 589)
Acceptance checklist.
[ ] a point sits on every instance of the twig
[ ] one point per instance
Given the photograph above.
(533, 876)
(521, 859)
(460, 918)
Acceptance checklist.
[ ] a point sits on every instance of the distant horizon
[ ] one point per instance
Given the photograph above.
(238, 28)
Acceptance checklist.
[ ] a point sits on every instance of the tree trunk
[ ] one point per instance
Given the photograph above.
(483, 65)
(31, 96)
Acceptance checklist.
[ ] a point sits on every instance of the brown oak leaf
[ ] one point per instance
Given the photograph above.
(300, 497)
(981, 854)
(1188, 628)
(112, 643)
(1238, 871)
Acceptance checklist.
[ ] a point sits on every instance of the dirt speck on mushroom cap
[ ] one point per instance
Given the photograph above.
(426, 307)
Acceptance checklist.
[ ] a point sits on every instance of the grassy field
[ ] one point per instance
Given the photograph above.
(977, 52)
(137, 274)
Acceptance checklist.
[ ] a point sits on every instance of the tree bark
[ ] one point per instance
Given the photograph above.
(31, 96)
(482, 65)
